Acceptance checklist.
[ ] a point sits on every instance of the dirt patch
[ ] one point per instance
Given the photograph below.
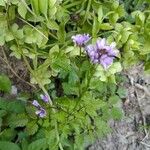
(16, 71)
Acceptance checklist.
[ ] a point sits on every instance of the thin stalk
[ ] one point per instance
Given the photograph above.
(79, 75)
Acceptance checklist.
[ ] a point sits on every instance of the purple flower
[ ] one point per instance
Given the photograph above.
(35, 103)
(41, 112)
(81, 39)
(102, 53)
(45, 98)
(106, 61)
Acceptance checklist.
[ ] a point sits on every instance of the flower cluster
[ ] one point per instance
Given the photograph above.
(100, 53)
(41, 112)
(81, 39)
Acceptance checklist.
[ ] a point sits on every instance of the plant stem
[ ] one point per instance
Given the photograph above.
(12, 70)
(79, 76)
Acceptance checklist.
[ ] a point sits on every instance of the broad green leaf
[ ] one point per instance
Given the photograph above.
(122, 92)
(114, 68)
(73, 51)
(5, 145)
(2, 3)
(7, 134)
(106, 26)
(52, 3)
(113, 99)
(22, 10)
(5, 83)
(116, 113)
(52, 25)
(113, 18)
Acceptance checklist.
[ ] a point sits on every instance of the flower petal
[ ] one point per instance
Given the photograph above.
(35, 103)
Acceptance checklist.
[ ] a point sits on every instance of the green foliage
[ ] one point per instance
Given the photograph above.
(5, 83)
(4, 145)
(38, 144)
(85, 96)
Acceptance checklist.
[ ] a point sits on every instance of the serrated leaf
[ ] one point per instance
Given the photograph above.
(113, 99)
(19, 120)
(116, 113)
(16, 106)
(122, 92)
(31, 128)
(39, 144)
(70, 89)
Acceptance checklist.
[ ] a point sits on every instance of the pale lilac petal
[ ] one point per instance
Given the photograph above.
(45, 98)
(91, 50)
(41, 112)
(106, 61)
(35, 103)
(37, 112)
(80, 39)
(110, 51)
(101, 43)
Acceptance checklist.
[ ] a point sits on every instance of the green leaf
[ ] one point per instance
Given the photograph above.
(2, 113)
(52, 25)
(19, 120)
(2, 3)
(7, 134)
(22, 10)
(100, 13)
(5, 145)
(102, 127)
(113, 18)
(113, 99)
(95, 28)
(5, 83)
(52, 3)
(16, 106)
(61, 33)
(70, 89)
(31, 128)
(114, 68)
(122, 92)
(100, 73)
(39, 144)
(106, 26)
(116, 113)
